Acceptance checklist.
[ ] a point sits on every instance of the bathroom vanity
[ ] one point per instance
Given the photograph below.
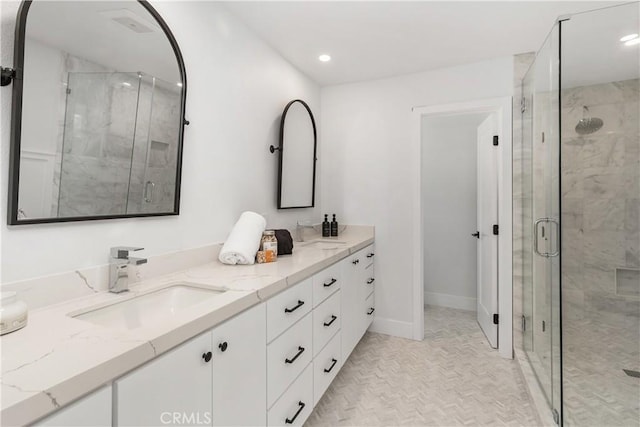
(252, 345)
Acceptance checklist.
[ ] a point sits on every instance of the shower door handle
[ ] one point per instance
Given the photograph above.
(555, 237)
(535, 236)
(149, 186)
(536, 240)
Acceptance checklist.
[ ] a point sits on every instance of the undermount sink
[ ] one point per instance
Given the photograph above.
(326, 244)
(149, 308)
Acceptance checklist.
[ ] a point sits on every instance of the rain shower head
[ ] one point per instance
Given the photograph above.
(587, 124)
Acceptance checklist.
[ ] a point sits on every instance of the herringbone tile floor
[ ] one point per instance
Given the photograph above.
(451, 378)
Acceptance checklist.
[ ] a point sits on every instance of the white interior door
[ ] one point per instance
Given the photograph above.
(487, 298)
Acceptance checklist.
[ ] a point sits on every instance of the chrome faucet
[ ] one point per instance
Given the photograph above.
(119, 262)
(300, 230)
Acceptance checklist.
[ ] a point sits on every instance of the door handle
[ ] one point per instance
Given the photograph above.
(556, 224)
(476, 234)
(149, 188)
(536, 226)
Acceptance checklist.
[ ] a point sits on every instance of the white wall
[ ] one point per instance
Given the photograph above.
(449, 191)
(369, 171)
(237, 89)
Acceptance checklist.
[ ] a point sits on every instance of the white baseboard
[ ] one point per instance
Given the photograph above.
(392, 327)
(451, 301)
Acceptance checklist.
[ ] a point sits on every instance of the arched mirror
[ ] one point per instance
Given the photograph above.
(98, 113)
(297, 152)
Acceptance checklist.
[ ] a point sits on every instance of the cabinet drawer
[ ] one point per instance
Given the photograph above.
(287, 308)
(325, 283)
(370, 307)
(287, 356)
(327, 318)
(296, 404)
(325, 367)
(369, 281)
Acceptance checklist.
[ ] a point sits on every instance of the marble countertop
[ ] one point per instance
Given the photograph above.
(56, 358)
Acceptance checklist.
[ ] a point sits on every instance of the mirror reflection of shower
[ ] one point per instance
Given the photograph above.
(119, 144)
(587, 124)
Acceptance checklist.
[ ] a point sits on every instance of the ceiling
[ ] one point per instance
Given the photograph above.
(376, 39)
(88, 30)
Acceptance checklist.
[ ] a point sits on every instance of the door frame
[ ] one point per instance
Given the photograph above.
(503, 108)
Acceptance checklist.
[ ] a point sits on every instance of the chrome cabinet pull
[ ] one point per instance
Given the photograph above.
(370, 281)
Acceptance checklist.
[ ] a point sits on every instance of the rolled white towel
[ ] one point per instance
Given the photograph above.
(244, 240)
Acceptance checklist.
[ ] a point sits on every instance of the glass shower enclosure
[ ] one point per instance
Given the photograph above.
(119, 145)
(581, 182)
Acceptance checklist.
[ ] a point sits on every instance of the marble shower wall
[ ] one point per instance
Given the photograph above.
(600, 204)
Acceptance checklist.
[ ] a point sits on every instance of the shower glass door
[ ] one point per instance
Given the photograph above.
(601, 222)
(542, 280)
(97, 143)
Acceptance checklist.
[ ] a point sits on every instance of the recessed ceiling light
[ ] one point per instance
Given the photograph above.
(629, 37)
(632, 42)
(324, 58)
(127, 84)
(179, 84)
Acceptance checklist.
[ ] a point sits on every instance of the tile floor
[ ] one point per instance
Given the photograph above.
(451, 378)
(596, 349)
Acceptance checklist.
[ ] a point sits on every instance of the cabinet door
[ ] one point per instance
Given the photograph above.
(174, 389)
(351, 302)
(240, 370)
(91, 410)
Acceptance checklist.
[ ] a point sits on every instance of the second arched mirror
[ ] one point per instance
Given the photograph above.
(297, 152)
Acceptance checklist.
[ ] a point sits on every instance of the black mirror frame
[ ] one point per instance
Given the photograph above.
(16, 124)
(280, 149)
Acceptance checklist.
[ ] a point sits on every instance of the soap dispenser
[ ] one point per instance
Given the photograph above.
(326, 227)
(334, 227)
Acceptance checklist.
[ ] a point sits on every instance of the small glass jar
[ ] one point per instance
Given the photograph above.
(269, 243)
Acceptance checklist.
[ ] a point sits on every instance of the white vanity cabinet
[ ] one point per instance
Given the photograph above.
(92, 410)
(357, 297)
(268, 365)
(217, 378)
